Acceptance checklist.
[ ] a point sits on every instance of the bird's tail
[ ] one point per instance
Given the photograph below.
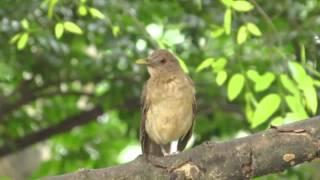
(154, 149)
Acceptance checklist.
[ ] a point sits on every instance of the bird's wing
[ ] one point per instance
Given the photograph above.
(148, 146)
(184, 140)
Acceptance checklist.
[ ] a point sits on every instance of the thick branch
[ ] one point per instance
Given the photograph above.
(273, 150)
(43, 134)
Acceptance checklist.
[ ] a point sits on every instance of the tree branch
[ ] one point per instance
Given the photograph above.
(43, 134)
(271, 151)
(9, 108)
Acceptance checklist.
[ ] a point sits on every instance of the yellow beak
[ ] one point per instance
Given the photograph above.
(141, 61)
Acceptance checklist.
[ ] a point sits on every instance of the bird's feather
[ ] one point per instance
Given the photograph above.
(184, 140)
(148, 146)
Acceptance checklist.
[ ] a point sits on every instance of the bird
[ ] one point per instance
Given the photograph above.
(168, 105)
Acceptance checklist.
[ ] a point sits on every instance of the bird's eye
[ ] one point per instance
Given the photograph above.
(162, 61)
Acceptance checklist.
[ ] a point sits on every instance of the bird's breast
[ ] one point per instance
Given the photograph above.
(170, 114)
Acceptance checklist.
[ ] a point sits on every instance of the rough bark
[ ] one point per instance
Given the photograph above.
(273, 150)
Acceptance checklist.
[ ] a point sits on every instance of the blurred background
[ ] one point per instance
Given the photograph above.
(69, 88)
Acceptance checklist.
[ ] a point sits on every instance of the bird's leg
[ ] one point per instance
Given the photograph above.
(165, 149)
(174, 148)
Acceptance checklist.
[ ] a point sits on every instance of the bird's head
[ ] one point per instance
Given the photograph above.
(161, 62)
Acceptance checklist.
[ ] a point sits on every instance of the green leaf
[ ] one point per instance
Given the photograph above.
(58, 30)
(72, 27)
(291, 117)
(14, 38)
(221, 77)
(253, 75)
(277, 121)
(235, 86)
(23, 41)
(264, 82)
(310, 94)
(265, 108)
(242, 6)
(250, 101)
(242, 34)
(248, 111)
(115, 30)
(253, 29)
(204, 64)
(219, 64)
(297, 71)
(25, 24)
(303, 53)
(82, 10)
(217, 33)
(96, 13)
(295, 105)
(102, 88)
(51, 7)
(183, 65)
(227, 21)
(227, 3)
(288, 84)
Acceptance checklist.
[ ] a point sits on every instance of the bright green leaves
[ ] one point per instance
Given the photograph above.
(301, 95)
(204, 64)
(227, 21)
(297, 71)
(242, 6)
(253, 29)
(25, 24)
(217, 32)
(23, 40)
(227, 3)
(310, 95)
(235, 86)
(51, 5)
(245, 30)
(183, 65)
(82, 10)
(277, 121)
(221, 77)
(68, 26)
(58, 30)
(288, 84)
(116, 30)
(261, 82)
(217, 66)
(242, 35)
(295, 105)
(96, 13)
(265, 109)
(72, 27)
(238, 5)
(306, 85)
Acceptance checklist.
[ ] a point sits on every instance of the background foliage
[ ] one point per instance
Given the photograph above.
(254, 63)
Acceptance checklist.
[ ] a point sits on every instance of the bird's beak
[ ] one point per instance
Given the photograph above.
(142, 61)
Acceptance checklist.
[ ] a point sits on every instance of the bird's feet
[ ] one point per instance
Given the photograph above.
(170, 154)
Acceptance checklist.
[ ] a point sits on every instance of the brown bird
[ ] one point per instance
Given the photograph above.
(168, 105)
